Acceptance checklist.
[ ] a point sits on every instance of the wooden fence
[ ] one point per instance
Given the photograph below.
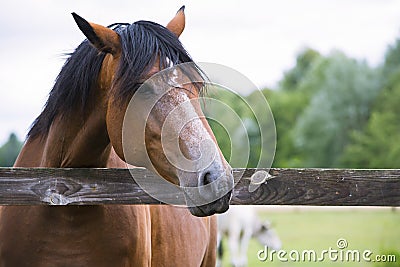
(318, 187)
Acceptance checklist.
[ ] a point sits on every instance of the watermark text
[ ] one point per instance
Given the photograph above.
(340, 253)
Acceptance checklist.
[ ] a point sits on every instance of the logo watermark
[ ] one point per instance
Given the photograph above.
(163, 100)
(340, 253)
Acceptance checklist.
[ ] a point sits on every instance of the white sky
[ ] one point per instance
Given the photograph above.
(258, 38)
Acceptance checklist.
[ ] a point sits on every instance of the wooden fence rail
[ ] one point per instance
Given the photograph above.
(318, 187)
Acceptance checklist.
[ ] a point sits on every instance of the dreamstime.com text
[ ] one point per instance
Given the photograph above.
(339, 254)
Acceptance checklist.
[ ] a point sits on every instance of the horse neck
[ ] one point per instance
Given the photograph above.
(72, 141)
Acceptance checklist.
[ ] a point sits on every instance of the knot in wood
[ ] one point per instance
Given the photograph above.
(58, 199)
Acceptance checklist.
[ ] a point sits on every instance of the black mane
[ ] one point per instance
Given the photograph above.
(142, 43)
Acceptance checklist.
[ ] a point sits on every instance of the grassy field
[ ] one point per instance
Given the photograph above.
(377, 230)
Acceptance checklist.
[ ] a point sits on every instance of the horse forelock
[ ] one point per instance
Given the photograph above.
(145, 44)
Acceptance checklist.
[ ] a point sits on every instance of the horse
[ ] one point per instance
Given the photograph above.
(239, 225)
(81, 126)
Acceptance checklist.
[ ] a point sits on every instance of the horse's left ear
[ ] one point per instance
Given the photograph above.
(103, 38)
(177, 24)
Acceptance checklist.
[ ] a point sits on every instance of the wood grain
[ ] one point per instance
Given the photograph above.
(318, 187)
(322, 187)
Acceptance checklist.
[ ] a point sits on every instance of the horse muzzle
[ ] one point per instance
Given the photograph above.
(218, 206)
(212, 193)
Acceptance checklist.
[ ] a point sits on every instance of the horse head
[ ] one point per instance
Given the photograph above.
(167, 130)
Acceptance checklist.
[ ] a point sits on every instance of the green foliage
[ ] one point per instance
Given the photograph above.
(344, 90)
(392, 60)
(322, 104)
(9, 151)
(289, 102)
(230, 110)
(286, 107)
(329, 111)
(304, 62)
(377, 146)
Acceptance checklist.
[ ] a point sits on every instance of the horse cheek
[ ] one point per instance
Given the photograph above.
(114, 120)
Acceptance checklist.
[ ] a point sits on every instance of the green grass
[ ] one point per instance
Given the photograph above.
(376, 230)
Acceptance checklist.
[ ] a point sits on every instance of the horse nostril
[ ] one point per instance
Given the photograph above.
(207, 178)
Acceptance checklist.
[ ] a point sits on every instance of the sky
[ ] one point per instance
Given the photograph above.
(260, 39)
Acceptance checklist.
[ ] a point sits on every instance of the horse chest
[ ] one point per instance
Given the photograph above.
(83, 245)
(65, 240)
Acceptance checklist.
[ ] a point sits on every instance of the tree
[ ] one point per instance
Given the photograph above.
(344, 92)
(287, 103)
(391, 64)
(286, 107)
(377, 145)
(304, 63)
(228, 114)
(9, 151)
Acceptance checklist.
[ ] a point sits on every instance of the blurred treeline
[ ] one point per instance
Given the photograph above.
(333, 111)
(9, 151)
(329, 111)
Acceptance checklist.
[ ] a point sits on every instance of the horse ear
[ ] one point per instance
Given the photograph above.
(103, 38)
(177, 24)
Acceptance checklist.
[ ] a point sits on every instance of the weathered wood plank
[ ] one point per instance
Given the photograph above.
(323, 187)
(319, 187)
(54, 186)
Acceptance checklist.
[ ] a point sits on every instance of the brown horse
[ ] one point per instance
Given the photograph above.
(81, 126)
